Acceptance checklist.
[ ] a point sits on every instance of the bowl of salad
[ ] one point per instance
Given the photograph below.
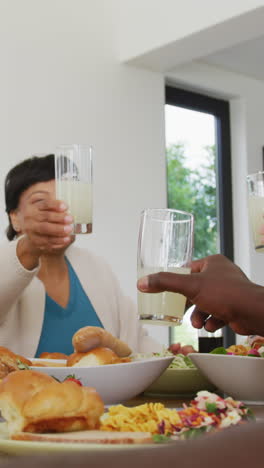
(237, 371)
(181, 378)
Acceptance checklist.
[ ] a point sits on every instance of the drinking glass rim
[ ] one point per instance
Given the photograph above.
(69, 145)
(170, 210)
(74, 147)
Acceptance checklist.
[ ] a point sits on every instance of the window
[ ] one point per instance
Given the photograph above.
(199, 173)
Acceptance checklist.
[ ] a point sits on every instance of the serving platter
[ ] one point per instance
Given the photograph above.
(115, 383)
(241, 377)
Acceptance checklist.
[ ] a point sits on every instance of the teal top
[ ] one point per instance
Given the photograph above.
(60, 324)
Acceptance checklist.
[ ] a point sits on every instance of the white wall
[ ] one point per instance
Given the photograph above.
(60, 82)
(146, 25)
(246, 98)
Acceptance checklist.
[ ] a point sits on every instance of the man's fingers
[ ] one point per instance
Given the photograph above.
(198, 318)
(188, 285)
(198, 265)
(213, 324)
(201, 319)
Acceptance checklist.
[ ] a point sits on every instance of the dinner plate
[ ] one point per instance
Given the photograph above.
(180, 382)
(17, 447)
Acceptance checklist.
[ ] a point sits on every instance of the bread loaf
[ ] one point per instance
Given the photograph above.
(95, 357)
(10, 362)
(93, 337)
(47, 355)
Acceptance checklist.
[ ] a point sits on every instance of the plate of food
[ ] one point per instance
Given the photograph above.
(43, 415)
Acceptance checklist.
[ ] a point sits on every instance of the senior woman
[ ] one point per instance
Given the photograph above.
(50, 288)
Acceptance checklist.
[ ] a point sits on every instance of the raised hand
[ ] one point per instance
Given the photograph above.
(221, 292)
(46, 223)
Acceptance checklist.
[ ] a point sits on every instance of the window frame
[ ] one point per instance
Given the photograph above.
(220, 109)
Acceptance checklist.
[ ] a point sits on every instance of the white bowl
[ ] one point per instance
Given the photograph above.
(180, 382)
(241, 377)
(115, 383)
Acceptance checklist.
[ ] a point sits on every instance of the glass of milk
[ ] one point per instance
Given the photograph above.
(255, 183)
(165, 244)
(73, 175)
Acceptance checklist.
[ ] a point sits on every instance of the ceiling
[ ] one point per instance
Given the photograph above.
(246, 58)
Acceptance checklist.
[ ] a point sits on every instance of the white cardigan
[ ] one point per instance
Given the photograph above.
(22, 302)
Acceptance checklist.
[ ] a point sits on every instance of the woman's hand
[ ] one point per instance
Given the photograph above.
(221, 292)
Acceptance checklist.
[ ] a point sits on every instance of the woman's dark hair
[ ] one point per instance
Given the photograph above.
(21, 177)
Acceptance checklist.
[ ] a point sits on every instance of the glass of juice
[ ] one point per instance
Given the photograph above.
(255, 183)
(165, 244)
(73, 176)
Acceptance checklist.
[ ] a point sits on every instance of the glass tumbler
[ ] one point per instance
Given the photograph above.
(165, 244)
(73, 176)
(255, 183)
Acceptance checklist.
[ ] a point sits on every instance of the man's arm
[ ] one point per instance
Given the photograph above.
(221, 292)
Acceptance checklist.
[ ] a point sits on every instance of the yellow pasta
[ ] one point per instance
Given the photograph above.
(240, 350)
(142, 418)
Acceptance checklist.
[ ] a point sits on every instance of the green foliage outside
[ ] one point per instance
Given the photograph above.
(194, 190)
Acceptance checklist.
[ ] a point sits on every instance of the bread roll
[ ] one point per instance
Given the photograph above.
(34, 402)
(95, 357)
(10, 362)
(93, 337)
(47, 355)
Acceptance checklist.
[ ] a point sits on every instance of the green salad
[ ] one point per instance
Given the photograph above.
(180, 361)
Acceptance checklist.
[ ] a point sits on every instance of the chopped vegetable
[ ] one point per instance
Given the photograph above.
(193, 433)
(210, 412)
(211, 407)
(219, 350)
(240, 350)
(160, 438)
(72, 378)
(21, 365)
(253, 352)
